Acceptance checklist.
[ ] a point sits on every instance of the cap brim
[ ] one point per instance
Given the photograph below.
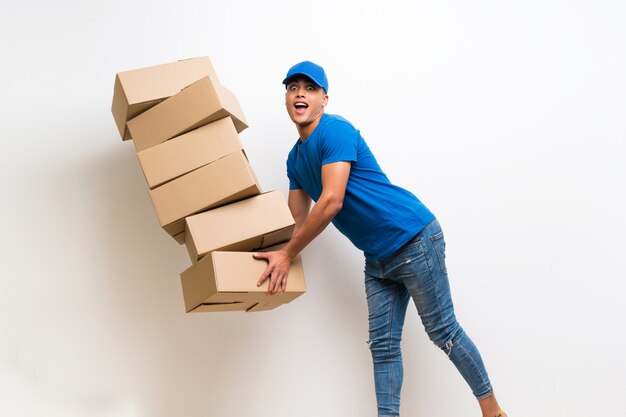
(301, 74)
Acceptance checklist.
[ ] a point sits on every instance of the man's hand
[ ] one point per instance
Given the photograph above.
(278, 263)
(308, 225)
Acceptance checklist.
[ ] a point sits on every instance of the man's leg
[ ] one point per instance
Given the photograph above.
(430, 291)
(387, 302)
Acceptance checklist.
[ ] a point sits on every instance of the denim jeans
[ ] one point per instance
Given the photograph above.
(417, 271)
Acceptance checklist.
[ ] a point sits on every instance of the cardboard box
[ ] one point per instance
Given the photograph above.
(180, 238)
(226, 281)
(202, 102)
(183, 154)
(221, 182)
(138, 90)
(250, 224)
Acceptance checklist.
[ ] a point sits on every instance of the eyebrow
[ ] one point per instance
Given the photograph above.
(305, 80)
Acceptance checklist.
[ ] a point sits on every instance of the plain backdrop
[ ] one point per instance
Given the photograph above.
(506, 118)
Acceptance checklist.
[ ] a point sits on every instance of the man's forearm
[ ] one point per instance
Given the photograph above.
(320, 216)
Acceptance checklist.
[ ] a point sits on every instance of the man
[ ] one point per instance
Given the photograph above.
(401, 239)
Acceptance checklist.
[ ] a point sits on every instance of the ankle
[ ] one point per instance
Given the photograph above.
(490, 407)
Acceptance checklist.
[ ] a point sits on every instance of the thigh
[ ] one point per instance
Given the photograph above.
(428, 284)
(387, 302)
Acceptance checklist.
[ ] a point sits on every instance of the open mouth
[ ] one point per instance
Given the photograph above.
(301, 107)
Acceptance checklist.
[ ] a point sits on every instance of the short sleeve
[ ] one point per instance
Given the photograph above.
(339, 143)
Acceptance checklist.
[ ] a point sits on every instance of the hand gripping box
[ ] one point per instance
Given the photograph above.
(221, 182)
(257, 222)
(200, 103)
(226, 281)
(185, 153)
(138, 90)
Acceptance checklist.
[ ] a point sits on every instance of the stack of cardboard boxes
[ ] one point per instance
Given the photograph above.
(185, 127)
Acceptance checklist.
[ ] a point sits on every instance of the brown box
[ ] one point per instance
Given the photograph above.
(226, 281)
(183, 154)
(137, 90)
(221, 182)
(202, 102)
(250, 224)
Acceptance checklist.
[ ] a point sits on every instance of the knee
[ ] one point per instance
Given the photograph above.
(384, 348)
(445, 337)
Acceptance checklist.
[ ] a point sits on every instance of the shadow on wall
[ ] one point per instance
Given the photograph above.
(155, 348)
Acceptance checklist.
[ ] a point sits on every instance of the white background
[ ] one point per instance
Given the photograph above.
(506, 118)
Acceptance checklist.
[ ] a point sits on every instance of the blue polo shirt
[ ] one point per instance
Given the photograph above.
(377, 216)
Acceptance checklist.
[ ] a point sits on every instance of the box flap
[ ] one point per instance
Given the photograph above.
(230, 102)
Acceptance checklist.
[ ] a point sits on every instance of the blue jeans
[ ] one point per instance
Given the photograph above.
(417, 271)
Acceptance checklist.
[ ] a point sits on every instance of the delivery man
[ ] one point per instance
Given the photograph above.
(401, 239)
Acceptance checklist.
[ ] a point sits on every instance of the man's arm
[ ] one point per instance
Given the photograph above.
(334, 181)
(299, 205)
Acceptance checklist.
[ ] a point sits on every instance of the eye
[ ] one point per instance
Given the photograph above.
(310, 88)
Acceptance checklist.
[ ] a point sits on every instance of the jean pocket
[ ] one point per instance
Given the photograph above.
(439, 245)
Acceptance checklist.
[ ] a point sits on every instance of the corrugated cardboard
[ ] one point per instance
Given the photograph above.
(202, 102)
(221, 182)
(183, 154)
(250, 224)
(226, 281)
(137, 90)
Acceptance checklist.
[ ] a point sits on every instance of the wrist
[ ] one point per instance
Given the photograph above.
(289, 252)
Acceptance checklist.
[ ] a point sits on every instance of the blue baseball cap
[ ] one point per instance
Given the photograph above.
(308, 69)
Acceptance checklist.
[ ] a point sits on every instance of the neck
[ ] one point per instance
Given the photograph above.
(305, 130)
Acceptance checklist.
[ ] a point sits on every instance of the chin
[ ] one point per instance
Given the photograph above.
(299, 119)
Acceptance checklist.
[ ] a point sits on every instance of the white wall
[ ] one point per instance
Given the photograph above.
(506, 118)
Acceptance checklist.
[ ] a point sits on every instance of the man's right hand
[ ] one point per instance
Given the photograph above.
(278, 264)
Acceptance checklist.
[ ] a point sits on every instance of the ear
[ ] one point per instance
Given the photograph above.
(325, 102)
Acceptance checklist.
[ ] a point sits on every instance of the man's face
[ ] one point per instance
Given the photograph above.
(305, 101)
